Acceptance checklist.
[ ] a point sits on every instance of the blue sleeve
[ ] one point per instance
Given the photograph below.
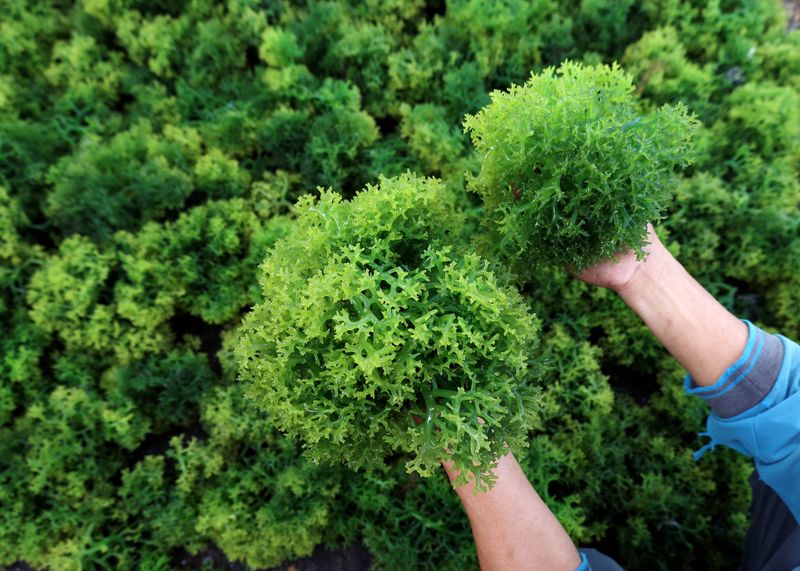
(584, 566)
(756, 410)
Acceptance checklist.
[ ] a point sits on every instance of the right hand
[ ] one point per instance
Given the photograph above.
(620, 271)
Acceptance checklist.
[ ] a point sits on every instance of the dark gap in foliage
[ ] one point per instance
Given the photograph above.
(638, 385)
(409, 253)
(18, 566)
(158, 445)
(387, 124)
(37, 230)
(106, 295)
(412, 482)
(392, 459)
(211, 557)
(747, 301)
(526, 288)
(124, 99)
(210, 336)
(350, 558)
(193, 200)
(89, 25)
(19, 411)
(161, 7)
(559, 489)
(251, 57)
(47, 362)
(435, 8)
(596, 334)
(254, 163)
(249, 455)
(636, 19)
(155, 444)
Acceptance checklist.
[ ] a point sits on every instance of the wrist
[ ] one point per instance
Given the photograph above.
(654, 267)
(699, 332)
(505, 464)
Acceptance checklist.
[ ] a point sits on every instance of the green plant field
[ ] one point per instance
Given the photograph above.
(189, 187)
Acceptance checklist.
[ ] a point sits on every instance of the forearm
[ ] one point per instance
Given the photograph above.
(694, 327)
(513, 527)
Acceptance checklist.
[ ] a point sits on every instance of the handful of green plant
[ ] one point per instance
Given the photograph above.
(372, 316)
(572, 170)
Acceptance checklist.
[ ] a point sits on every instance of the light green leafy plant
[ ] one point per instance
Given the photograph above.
(571, 169)
(371, 318)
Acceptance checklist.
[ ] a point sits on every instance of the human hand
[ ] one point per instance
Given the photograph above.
(693, 326)
(620, 271)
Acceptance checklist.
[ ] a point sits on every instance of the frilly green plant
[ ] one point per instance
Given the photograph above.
(70, 296)
(377, 335)
(572, 170)
(244, 462)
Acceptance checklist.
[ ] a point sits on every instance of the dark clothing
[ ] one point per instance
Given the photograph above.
(773, 540)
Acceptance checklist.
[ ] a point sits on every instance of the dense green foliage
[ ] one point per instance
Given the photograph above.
(571, 170)
(152, 154)
(372, 317)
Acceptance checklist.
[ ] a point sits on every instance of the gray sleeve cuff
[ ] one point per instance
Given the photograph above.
(745, 383)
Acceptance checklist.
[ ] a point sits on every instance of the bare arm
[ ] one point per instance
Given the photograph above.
(513, 527)
(699, 332)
